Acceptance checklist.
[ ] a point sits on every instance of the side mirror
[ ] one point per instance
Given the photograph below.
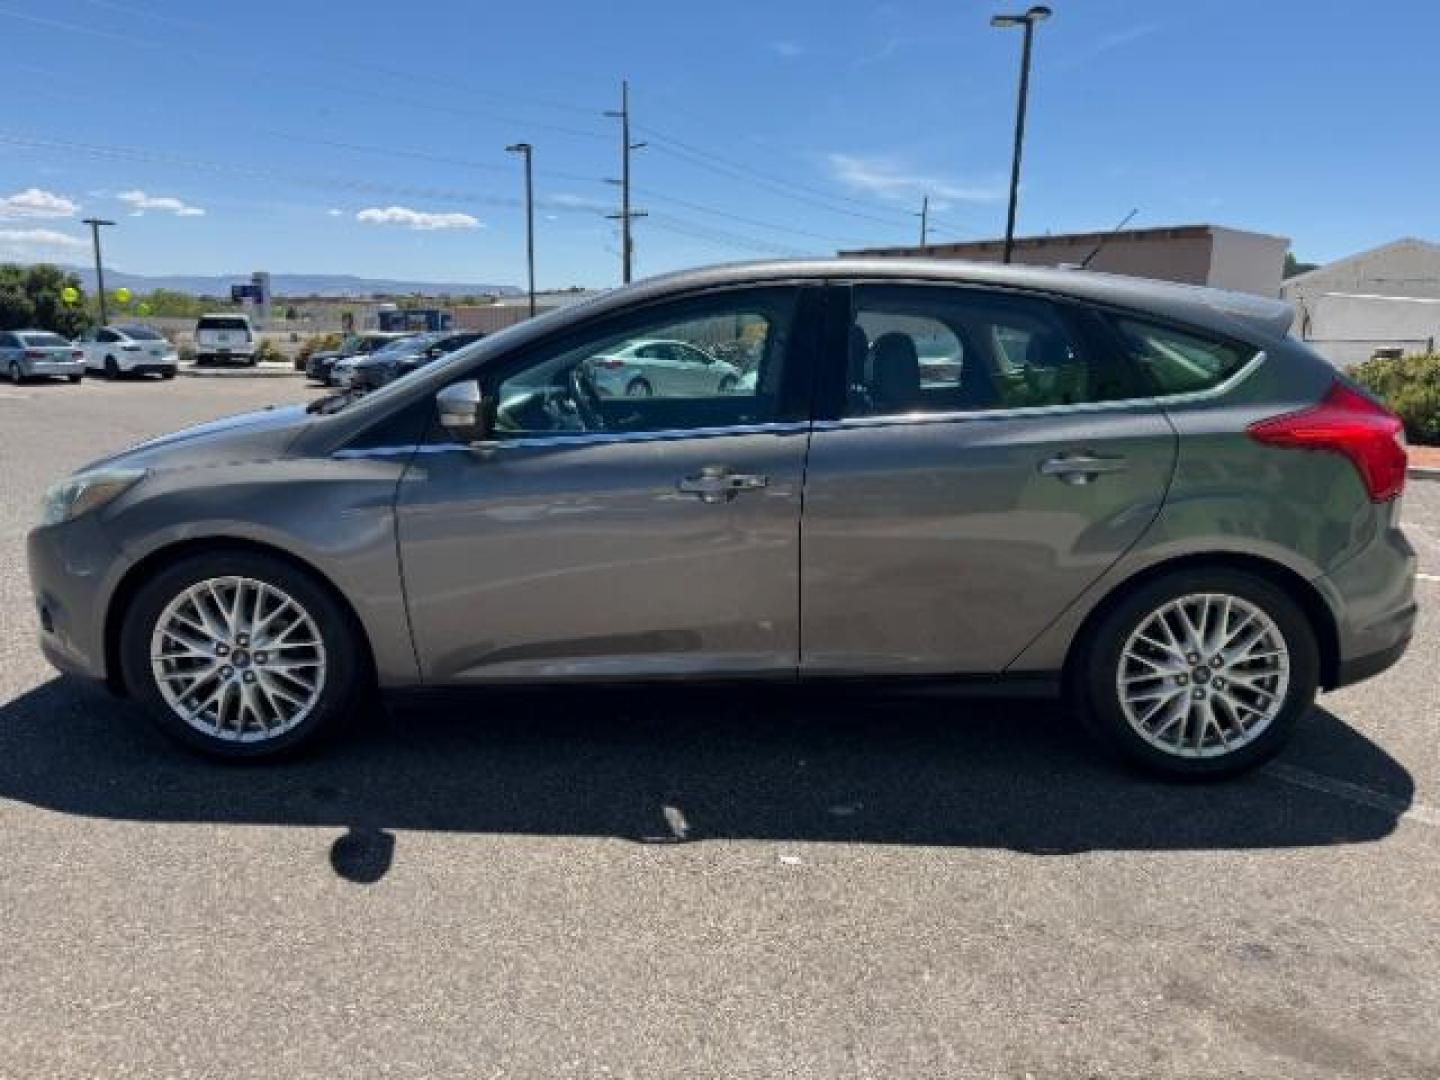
(462, 409)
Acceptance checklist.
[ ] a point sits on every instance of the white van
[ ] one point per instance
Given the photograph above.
(224, 338)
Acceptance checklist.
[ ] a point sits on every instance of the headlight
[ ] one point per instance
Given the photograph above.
(86, 491)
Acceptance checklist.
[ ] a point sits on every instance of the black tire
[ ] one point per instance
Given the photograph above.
(168, 373)
(347, 673)
(15, 376)
(639, 388)
(112, 369)
(1094, 676)
(74, 378)
(729, 384)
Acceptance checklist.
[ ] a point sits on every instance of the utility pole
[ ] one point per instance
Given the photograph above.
(95, 224)
(1028, 20)
(626, 214)
(528, 151)
(924, 223)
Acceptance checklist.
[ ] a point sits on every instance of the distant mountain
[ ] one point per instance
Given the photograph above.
(288, 284)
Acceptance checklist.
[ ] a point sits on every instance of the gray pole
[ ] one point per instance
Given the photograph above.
(95, 224)
(528, 151)
(626, 214)
(1028, 21)
(627, 244)
(924, 223)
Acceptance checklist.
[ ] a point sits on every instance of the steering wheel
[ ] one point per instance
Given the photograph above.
(586, 398)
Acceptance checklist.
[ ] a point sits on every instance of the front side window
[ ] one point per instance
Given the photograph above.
(935, 349)
(1176, 362)
(711, 362)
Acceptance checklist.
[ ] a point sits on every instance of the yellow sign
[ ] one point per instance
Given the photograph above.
(70, 294)
(122, 295)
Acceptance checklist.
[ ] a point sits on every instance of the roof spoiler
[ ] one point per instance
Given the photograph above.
(1274, 317)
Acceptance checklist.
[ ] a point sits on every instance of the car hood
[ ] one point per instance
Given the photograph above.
(252, 436)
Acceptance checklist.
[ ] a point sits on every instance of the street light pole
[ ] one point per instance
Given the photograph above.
(95, 224)
(528, 151)
(924, 223)
(1028, 20)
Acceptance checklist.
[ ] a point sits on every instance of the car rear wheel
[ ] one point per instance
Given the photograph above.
(1203, 673)
(16, 375)
(112, 369)
(74, 378)
(729, 384)
(240, 655)
(639, 388)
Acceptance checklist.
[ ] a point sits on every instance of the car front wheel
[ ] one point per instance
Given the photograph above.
(1202, 673)
(240, 655)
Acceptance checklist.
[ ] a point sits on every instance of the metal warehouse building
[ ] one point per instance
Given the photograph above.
(1384, 298)
(1193, 254)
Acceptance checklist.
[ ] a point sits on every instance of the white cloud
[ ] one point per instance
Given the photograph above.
(26, 243)
(789, 50)
(417, 219)
(36, 203)
(332, 212)
(891, 180)
(140, 202)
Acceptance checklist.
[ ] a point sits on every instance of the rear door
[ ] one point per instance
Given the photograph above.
(980, 461)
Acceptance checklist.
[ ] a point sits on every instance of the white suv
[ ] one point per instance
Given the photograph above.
(226, 338)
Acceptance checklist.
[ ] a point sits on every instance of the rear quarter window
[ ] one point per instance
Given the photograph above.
(1177, 361)
(46, 341)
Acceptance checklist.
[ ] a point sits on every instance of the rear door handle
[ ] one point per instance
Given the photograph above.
(1080, 468)
(717, 484)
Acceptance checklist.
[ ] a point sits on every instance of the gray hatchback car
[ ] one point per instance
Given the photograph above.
(1143, 496)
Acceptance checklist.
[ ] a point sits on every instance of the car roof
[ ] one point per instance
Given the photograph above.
(1230, 313)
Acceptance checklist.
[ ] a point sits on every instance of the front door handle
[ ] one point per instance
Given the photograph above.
(1080, 468)
(717, 484)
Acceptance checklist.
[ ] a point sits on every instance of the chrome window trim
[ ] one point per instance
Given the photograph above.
(595, 438)
(794, 427)
(1187, 398)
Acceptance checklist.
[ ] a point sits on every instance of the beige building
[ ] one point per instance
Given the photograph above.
(1194, 254)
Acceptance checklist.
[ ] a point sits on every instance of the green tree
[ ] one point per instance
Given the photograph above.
(1294, 266)
(30, 298)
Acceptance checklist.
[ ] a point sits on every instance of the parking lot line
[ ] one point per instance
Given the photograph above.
(1432, 578)
(1361, 796)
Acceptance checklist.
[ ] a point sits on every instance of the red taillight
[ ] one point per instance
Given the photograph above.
(607, 362)
(34, 354)
(76, 354)
(1346, 422)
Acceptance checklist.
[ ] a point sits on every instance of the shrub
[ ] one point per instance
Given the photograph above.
(1411, 386)
(267, 352)
(318, 343)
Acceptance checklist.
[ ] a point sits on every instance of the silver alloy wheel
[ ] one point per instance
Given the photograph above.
(238, 659)
(1203, 675)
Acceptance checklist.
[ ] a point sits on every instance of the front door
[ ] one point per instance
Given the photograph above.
(982, 459)
(614, 537)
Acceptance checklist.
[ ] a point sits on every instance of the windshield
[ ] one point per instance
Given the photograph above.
(141, 333)
(396, 349)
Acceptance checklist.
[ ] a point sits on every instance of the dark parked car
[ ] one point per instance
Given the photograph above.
(402, 357)
(319, 365)
(1145, 497)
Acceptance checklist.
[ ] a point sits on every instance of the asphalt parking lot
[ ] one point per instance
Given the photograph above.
(684, 885)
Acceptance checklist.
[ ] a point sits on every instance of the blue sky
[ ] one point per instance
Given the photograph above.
(369, 138)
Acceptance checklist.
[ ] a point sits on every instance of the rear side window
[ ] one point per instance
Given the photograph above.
(935, 349)
(1178, 362)
(141, 333)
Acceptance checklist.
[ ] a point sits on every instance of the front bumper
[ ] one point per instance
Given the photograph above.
(72, 569)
